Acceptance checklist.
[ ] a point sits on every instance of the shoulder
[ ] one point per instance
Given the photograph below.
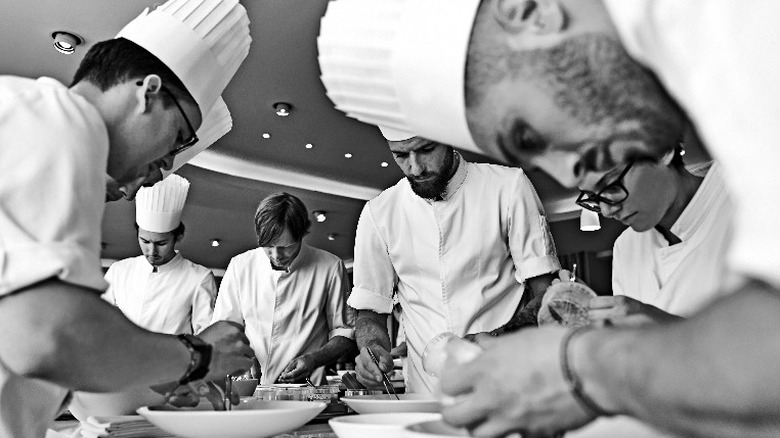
(324, 257)
(247, 257)
(197, 268)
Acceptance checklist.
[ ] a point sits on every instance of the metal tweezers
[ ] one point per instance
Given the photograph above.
(388, 384)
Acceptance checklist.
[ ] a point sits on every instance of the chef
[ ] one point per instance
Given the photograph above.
(670, 262)
(136, 102)
(565, 86)
(291, 297)
(466, 246)
(160, 290)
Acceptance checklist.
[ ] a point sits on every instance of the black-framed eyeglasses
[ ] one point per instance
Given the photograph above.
(186, 144)
(612, 194)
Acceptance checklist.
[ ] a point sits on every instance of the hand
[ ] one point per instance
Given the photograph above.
(367, 372)
(400, 350)
(231, 353)
(515, 385)
(189, 395)
(625, 311)
(298, 369)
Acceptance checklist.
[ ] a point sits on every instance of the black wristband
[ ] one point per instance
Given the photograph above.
(200, 358)
(573, 381)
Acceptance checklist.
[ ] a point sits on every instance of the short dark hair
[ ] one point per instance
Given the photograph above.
(112, 62)
(177, 232)
(277, 212)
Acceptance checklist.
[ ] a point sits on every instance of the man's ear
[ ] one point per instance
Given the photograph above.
(538, 17)
(147, 88)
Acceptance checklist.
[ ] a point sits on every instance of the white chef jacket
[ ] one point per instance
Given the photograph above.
(681, 278)
(286, 313)
(718, 59)
(177, 297)
(460, 259)
(53, 154)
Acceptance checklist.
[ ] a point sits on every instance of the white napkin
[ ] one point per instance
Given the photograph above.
(125, 426)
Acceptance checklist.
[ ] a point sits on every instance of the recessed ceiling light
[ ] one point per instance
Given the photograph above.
(66, 42)
(332, 236)
(347, 155)
(215, 242)
(266, 135)
(309, 145)
(384, 164)
(282, 109)
(319, 215)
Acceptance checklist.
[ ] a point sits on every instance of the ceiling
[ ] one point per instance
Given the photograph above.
(230, 178)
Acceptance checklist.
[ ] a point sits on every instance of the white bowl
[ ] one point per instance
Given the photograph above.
(91, 404)
(377, 425)
(384, 403)
(250, 419)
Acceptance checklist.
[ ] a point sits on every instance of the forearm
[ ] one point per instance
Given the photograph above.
(371, 329)
(526, 312)
(336, 347)
(704, 376)
(70, 336)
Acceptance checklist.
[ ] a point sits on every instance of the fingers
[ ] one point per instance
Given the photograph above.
(600, 302)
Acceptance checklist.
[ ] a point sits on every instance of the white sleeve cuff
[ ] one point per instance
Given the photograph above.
(362, 299)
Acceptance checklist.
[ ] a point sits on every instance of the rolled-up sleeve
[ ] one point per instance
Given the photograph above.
(341, 317)
(373, 270)
(530, 240)
(203, 303)
(228, 305)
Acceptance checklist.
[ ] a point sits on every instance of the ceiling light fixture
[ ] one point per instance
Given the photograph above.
(309, 145)
(332, 236)
(282, 109)
(319, 215)
(384, 164)
(66, 42)
(215, 242)
(266, 135)
(347, 155)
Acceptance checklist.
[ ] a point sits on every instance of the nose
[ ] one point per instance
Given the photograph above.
(416, 167)
(608, 210)
(166, 162)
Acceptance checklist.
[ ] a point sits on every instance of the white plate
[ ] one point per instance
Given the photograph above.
(250, 419)
(384, 403)
(377, 425)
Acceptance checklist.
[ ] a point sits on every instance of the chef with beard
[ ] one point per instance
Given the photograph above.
(461, 242)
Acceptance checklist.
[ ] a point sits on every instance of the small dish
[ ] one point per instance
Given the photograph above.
(383, 403)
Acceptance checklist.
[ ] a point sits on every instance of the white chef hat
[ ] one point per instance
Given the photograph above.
(203, 42)
(393, 134)
(158, 208)
(400, 64)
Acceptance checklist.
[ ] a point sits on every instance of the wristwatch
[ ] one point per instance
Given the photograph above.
(200, 358)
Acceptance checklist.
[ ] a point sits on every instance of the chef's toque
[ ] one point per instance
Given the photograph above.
(400, 64)
(158, 208)
(392, 134)
(203, 42)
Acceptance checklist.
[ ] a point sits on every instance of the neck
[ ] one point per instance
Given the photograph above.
(687, 186)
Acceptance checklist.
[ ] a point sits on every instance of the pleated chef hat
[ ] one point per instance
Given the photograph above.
(203, 42)
(158, 208)
(393, 134)
(400, 64)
